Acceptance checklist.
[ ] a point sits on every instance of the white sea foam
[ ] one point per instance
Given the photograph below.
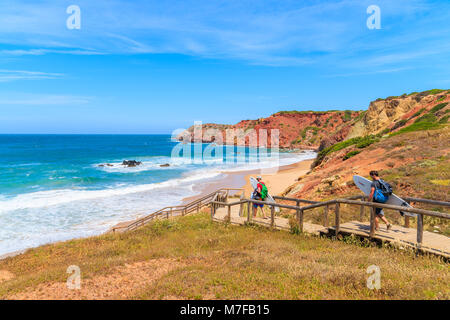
(54, 197)
(36, 218)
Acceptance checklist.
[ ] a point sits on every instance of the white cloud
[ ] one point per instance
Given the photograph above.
(269, 32)
(12, 75)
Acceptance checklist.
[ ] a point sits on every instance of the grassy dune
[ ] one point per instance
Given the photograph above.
(193, 258)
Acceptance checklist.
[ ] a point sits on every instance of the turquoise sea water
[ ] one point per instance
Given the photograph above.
(52, 187)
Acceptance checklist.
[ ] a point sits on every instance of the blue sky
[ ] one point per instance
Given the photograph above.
(154, 66)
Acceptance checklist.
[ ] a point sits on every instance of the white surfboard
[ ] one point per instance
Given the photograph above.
(269, 199)
(364, 185)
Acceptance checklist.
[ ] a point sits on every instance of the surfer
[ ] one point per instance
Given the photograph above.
(260, 193)
(377, 195)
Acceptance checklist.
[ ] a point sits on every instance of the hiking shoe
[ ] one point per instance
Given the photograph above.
(389, 226)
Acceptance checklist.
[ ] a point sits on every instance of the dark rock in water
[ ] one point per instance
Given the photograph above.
(164, 165)
(131, 163)
(109, 165)
(101, 165)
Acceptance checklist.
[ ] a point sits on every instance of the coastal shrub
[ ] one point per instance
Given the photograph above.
(347, 115)
(385, 131)
(361, 141)
(314, 129)
(441, 98)
(432, 91)
(417, 113)
(361, 115)
(444, 119)
(418, 126)
(366, 141)
(438, 107)
(429, 117)
(399, 124)
(351, 154)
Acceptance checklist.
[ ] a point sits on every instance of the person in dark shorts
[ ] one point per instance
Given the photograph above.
(257, 196)
(377, 196)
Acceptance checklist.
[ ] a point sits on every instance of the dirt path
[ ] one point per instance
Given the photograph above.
(123, 282)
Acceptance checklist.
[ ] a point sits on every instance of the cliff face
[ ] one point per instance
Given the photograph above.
(318, 130)
(408, 143)
(384, 113)
(297, 129)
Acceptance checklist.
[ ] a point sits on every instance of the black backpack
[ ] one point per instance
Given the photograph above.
(385, 187)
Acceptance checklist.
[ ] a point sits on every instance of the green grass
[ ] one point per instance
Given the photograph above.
(426, 122)
(444, 119)
(360, 142)
(222, 261)
(420, 126)
(438, 107)
(351, 154)
(418, 113)
(433, 91)
(429, 117)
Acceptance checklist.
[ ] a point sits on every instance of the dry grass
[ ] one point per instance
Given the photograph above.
(204, 260)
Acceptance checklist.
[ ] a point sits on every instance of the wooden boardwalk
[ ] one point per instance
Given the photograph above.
(432, 243)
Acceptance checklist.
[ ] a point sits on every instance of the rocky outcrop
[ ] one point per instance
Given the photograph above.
(318, 130)
(386, 113)
(131, 163)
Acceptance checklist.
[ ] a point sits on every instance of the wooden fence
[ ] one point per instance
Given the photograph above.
(220, 196)
(336, 203)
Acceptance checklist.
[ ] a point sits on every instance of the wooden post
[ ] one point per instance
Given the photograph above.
(361, 212)
(249, 213)
(229, 213)
(272, 216)
(419, 229)
(407, 218)
(372, 222)
(297, 203)
(337, 218)
(198, 207)
(300, 220)
(325, 216)
(212, 211)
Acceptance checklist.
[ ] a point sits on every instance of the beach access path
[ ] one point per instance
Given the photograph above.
(403, 237)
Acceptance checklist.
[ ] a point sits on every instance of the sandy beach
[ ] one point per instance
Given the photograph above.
(276, 182)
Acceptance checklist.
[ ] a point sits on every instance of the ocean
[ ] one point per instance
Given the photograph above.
(53, 188)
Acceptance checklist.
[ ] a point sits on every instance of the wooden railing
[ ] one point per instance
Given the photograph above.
(219, 196)
(300, 210)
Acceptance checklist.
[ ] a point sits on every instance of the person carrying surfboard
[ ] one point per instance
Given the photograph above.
(260, 193)
(380, 191)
